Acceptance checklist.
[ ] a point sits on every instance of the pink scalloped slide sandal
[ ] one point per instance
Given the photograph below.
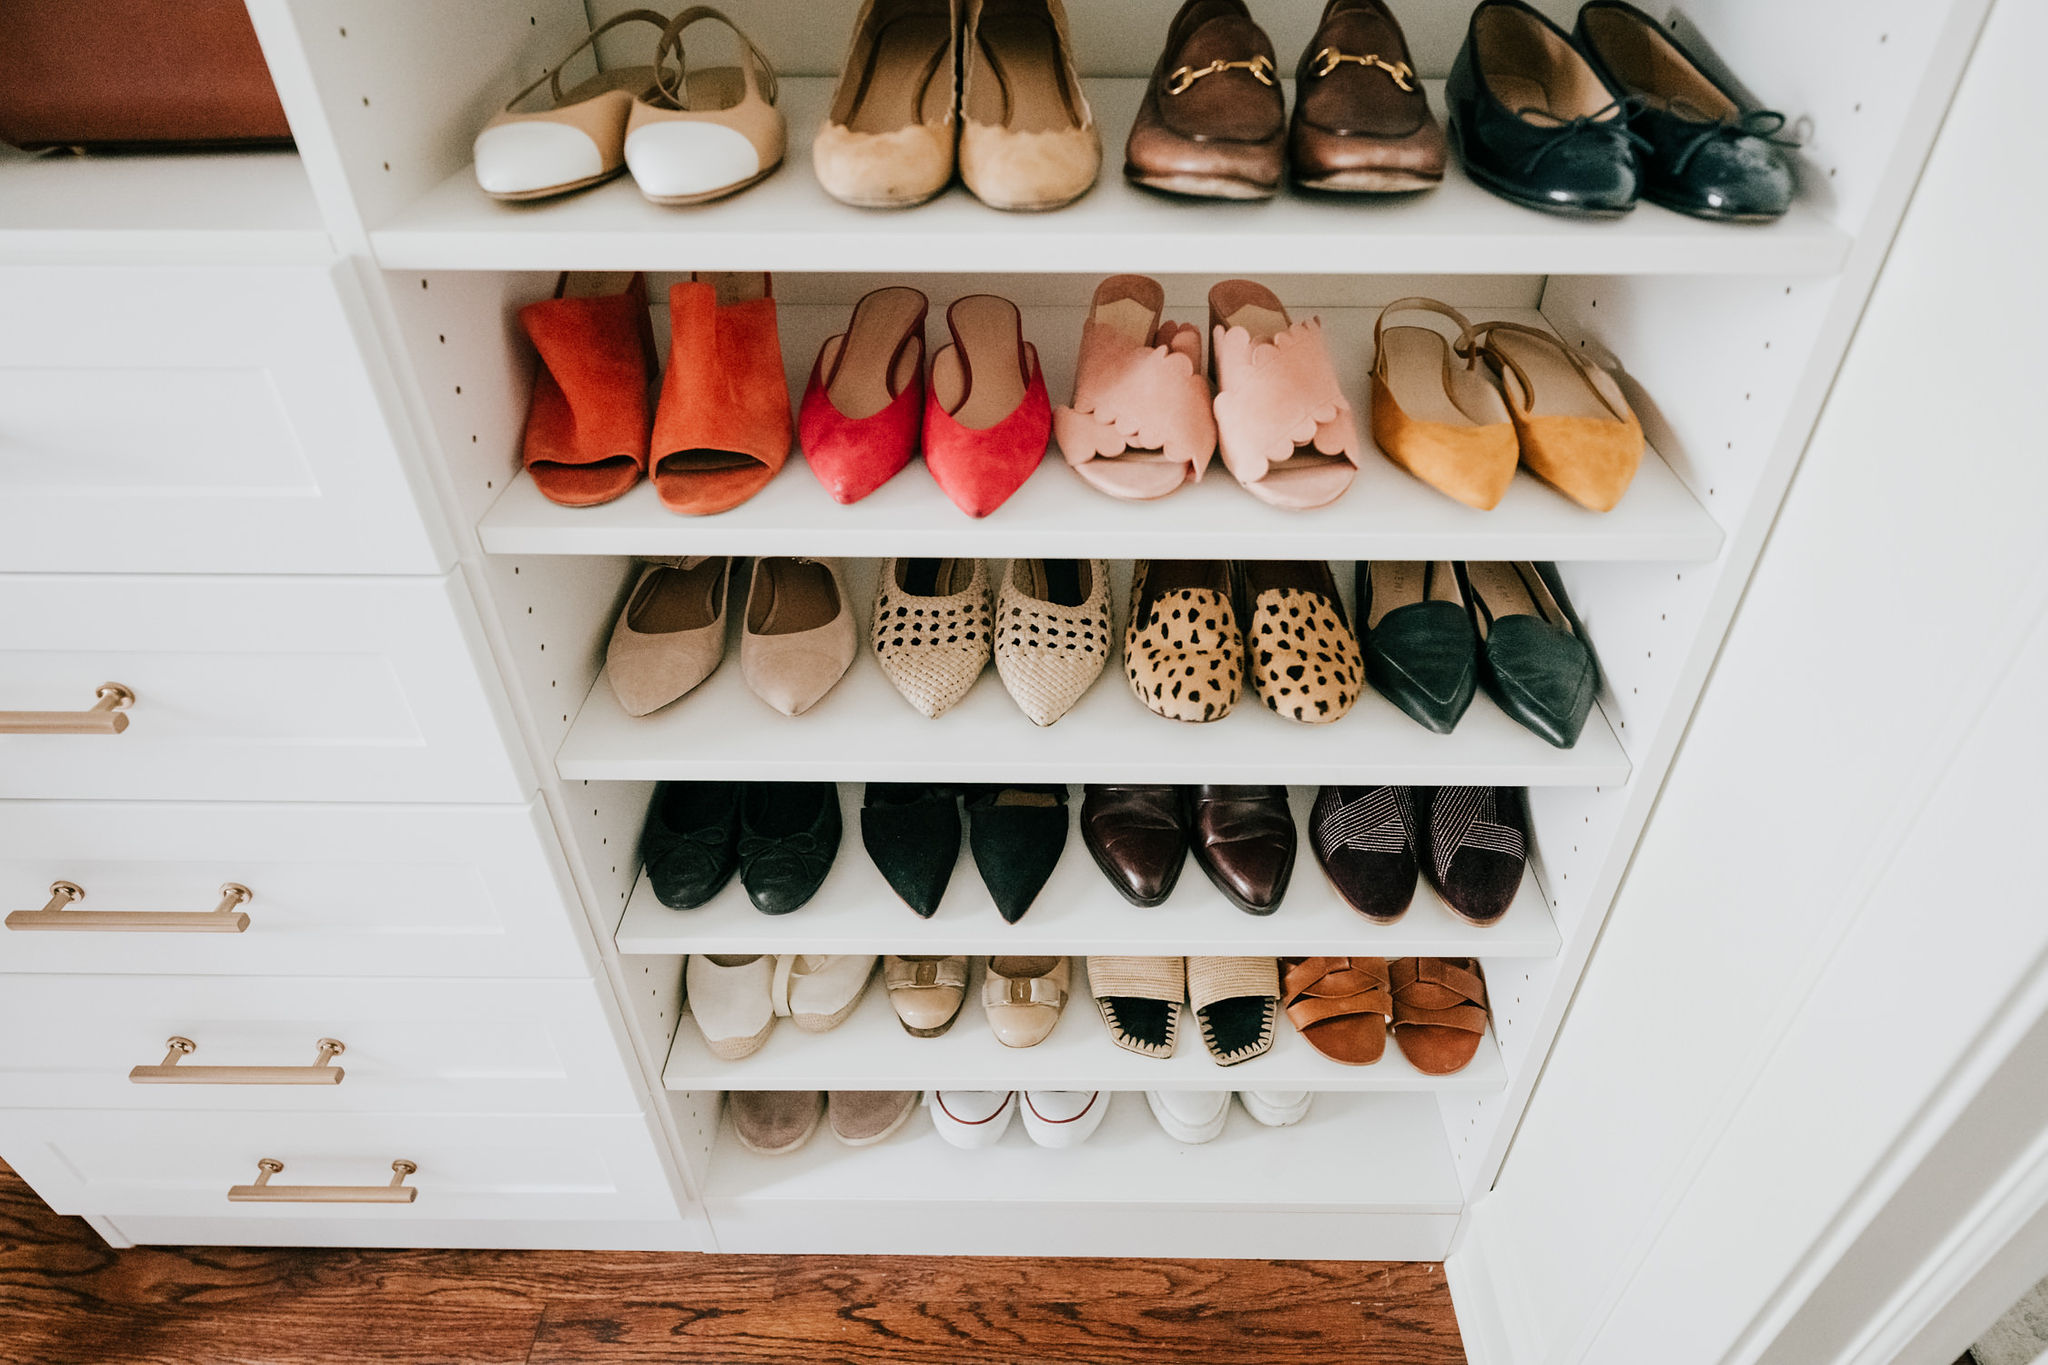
(1283, 424)
(1139, 426)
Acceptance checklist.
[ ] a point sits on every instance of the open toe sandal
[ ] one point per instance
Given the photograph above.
(1236, 1001)
(1140, 1000)
(1140, 425)
(1341, 1005)
(1283, 424)
(1439, 1011)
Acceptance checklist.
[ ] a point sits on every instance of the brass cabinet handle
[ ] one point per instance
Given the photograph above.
(104, 717)
(222, 919)
(263, 1192)
(320, 1071)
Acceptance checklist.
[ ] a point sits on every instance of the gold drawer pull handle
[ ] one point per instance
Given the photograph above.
(263, 1192)
(320, 1071)
(104, 718)
(222, 919)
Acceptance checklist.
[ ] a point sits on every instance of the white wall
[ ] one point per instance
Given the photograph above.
(1841, 886)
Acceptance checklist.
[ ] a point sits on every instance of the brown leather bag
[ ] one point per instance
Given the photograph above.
(135, 73)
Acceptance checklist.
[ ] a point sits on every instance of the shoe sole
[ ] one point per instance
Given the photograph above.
(1265, 1114)
(678, 201)
(1370, 182)
(530, 196)
(951, 1019)
(1204, 186)
(738, 1049)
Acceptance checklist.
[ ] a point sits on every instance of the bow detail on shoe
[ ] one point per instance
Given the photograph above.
(1598, 124)
(802, 845)
(1762, 124)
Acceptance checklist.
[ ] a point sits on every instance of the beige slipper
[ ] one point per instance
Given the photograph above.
(1140, 1000)
(1236, 1001)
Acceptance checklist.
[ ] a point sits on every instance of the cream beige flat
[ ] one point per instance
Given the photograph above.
(1028, 140)
(799, 636)
(705, 133)
(889, 139)
(1023, 997)
(1052, 632)
(671, 636)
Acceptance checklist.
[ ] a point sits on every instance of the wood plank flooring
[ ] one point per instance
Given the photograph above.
(66, 1299)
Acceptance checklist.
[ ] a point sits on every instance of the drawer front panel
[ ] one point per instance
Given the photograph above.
(335, 890)
(279, 689)
(457, 1046)
(196, 420)
(474, 1166)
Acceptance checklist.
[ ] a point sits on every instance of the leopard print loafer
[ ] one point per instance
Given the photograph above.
(1183, 651)
(1305, 661)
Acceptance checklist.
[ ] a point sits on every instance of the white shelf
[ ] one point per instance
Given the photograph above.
(1353, 1153)
(240, 208)
(855, 911)
(871, 1051)
(1387, 514)
(788, 223)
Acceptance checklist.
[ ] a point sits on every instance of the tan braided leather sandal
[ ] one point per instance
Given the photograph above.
(1341, 1005)
(1140, 1000)
(1237, 1003)
(1439, 1011)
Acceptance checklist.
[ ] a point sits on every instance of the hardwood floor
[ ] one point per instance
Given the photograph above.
(66, 1299)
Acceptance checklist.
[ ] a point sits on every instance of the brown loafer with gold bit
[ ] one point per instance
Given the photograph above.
(1214, 123)
(1361, 122)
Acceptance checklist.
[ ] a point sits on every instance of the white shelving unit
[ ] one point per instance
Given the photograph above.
(1726, 338)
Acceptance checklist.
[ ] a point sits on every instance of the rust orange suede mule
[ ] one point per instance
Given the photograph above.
(723, 426)
(586, 430)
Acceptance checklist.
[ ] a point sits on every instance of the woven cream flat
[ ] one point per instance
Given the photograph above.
(1236, 1001)
(1053, 630)
(1140, 1000)
(932, 629)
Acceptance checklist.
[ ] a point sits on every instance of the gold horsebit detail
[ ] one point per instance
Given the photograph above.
(1261, 68)
(1329, 59)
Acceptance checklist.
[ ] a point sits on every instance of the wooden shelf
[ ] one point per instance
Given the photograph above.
(1387, 514)
(788, 223)
(871, 1051)
(238, 208)
(855, 911)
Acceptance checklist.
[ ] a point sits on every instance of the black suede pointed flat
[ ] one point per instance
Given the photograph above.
(1017, 834)
(1533, 660)
(912, 832)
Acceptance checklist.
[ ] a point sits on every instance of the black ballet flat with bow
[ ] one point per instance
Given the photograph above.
(1534, 123)
(1703, 153)
(690, 844)
(789, 834)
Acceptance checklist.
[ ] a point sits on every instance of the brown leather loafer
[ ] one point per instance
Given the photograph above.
(1244, 840)
(1138, 836)
(1361, 122)
(1214, 123)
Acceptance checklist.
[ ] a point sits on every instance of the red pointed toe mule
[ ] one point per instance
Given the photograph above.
(586, 430)
(722, 429)
(859, 420)
(987, 419)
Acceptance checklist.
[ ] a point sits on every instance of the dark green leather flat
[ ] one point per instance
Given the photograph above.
(1420, 650)
(1533, 661)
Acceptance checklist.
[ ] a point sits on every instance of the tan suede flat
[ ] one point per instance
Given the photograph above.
(799, 635)
(1577, 432)
(889, 140)
(1028, 139)
(671, 636)
(1444, 423)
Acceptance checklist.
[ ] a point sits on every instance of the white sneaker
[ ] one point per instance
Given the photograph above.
(972, 1118)
(818, 990)
(1190, 1115)
(729, 997)
(1063, 1118)
(1276, 1108)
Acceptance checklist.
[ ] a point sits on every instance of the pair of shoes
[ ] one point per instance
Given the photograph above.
(1214, 122)
(1510, 629)
(686, 135)
(1344, 1007)
(780, 837)
(1052, 1118)
(1026, 138)
(1185, 655)
(983, 420)
(1197, 1116)
(1048, 631)
(1471, 842)
(798, 635)
(721, 428)
(736, 999)
(772, 1122)
(1243, 837)
(1583, 124)
(1540, 404)
(1235, 1002)
(1142, 422)
(912, 832)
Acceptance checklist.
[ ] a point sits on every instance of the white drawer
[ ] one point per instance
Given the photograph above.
(471, 1166)
(196, 420)
(335, 890)
(255, 689)
(455, 1046)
